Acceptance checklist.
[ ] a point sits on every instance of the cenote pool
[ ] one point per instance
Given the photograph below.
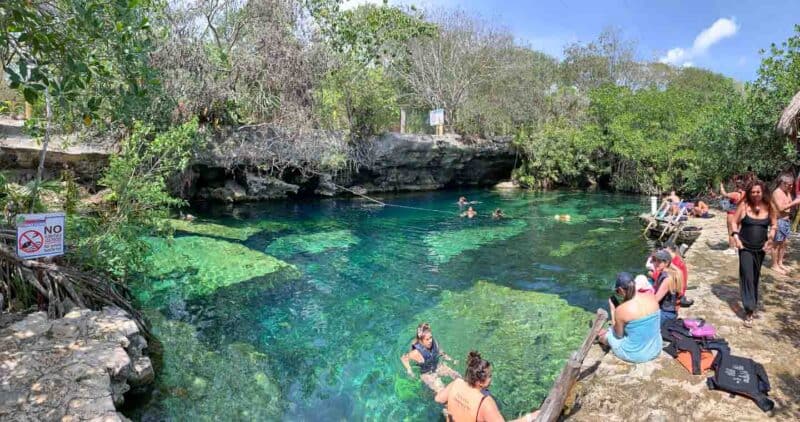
(300, 311)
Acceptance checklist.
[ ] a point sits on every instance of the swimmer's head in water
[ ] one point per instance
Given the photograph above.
(479, 370)
(425, 335)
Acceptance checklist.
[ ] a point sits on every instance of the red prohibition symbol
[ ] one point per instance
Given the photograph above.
(30, 241)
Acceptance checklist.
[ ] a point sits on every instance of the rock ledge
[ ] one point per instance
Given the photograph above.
(74, 368)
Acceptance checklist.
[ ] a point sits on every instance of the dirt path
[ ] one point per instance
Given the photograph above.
(663, 390)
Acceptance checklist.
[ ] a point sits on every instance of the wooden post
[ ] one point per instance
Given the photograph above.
(440, 130)
(553, 405)
(28, 110)
(402, 120)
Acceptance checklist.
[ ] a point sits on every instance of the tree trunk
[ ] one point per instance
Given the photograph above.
(43, 151)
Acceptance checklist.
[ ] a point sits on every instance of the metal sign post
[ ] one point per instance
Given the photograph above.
(436, 118)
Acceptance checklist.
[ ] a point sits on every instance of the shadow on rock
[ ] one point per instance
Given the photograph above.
(729, 294)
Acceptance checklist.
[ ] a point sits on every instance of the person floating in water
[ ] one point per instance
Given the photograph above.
(498, 214)
(425, 352)
(565, 218)
(469, 399)
(469, 213)
(462, 201)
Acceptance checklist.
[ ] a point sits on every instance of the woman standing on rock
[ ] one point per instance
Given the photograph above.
(753, 227)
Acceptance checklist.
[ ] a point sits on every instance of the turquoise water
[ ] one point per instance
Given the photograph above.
(300, 311)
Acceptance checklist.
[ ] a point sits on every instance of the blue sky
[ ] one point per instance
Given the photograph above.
(723, 36)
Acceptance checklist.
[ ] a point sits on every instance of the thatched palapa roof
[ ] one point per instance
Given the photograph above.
(790, 118)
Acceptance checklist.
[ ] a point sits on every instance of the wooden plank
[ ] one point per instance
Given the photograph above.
(553, 405)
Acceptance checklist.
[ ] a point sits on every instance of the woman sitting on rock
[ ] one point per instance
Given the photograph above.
(635, 335)
(668, 284)
(469, 399)
(425, 352)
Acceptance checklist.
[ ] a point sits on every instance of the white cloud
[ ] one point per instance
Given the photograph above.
(718, 31)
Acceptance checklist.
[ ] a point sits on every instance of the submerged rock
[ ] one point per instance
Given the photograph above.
(444, 246)
(312, 243)
(194, 266)
(202, 384)
(239, 232)
(74, 368)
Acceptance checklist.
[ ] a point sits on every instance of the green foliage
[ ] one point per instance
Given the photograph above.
(374, 34)
(555, 154)
(138, 202)
(91, 55)
(361, 101)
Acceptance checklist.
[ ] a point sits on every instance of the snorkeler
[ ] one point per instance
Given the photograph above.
(497, 214)
(425, 352)
(469, 213)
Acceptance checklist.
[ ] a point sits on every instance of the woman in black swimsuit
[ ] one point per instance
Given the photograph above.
(753, 229)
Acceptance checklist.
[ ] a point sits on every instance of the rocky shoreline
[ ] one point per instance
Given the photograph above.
(75, 368)
(662, 390)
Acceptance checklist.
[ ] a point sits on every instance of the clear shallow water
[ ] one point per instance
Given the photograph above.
(300, 311)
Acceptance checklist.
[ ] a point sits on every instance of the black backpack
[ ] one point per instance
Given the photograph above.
(742, 376)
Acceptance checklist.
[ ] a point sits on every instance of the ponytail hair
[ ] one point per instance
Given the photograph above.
(478, 369)
(675, 278)
(422, 329)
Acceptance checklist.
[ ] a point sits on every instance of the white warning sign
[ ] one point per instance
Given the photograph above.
(40, 235)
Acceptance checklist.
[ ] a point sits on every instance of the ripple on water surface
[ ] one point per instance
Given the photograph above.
(285, 310)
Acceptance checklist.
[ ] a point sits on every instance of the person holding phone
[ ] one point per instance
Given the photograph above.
(635, 333)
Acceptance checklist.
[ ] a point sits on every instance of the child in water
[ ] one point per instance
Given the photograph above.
(425, 352)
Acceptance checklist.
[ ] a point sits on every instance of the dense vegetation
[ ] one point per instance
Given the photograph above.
(159, 77)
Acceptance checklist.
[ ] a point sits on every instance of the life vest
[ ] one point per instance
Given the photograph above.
(694, 353)
(742, 376)
(464, 402)
(430, 357)
(671, 301)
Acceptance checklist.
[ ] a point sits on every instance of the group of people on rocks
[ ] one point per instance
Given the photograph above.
(758, 222)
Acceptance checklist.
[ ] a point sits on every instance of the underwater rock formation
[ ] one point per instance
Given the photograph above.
(194, 266)
(443, 246)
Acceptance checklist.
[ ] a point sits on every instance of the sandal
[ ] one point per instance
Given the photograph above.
(748, 321)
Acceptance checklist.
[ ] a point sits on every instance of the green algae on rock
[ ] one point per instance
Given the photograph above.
(526, 335)
(568, 248)
(192, 266)
(445, 245)
(234, 383)
(311, 243)
(241, 231)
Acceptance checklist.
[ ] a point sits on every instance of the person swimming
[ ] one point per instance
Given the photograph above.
(564, 218)
(462, 201)
(425, 351)
(498, 214)
(469, 400)
(469, 213)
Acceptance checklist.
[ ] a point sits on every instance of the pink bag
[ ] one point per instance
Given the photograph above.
(699, 328)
